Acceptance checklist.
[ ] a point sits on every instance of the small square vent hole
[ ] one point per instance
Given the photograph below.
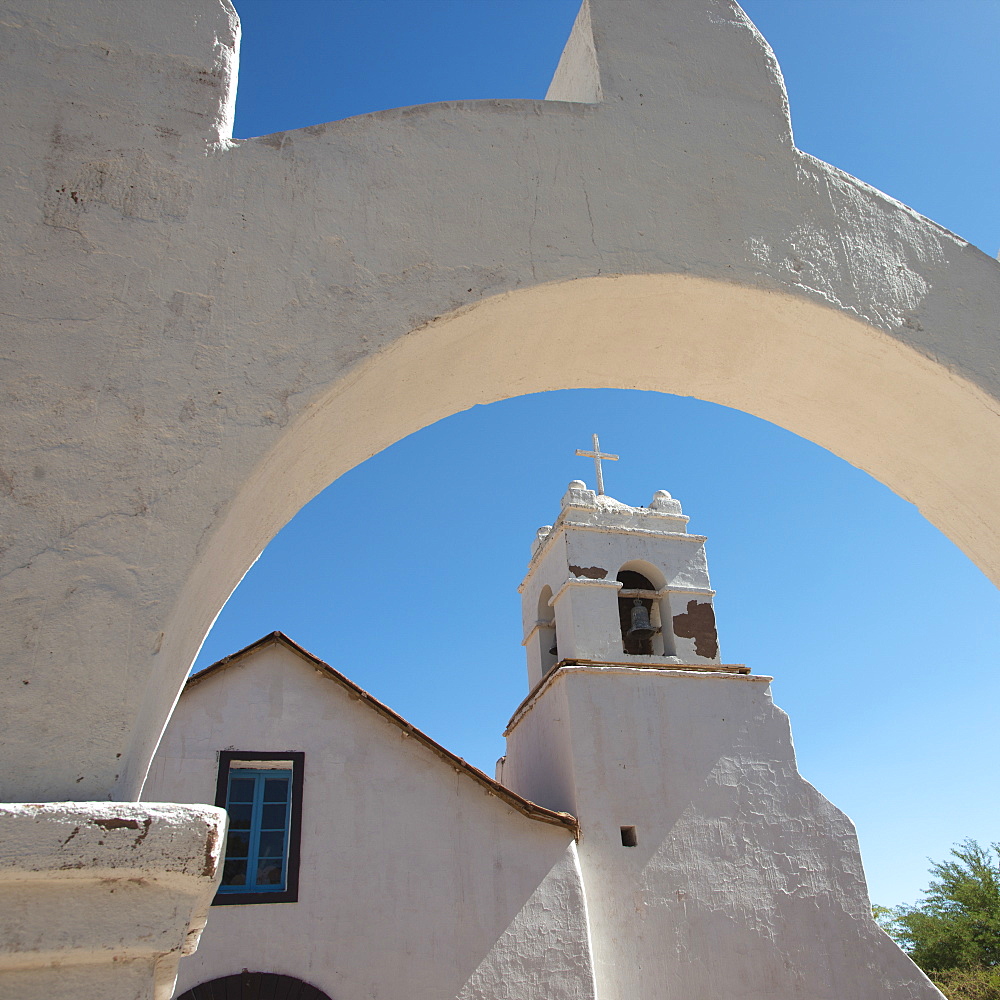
(629, 838)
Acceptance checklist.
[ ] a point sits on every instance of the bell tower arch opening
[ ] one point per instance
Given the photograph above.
(643, 582)
(639, 614)
(542, 642)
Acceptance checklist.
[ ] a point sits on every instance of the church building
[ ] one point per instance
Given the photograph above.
(202, 332)
(647, 835)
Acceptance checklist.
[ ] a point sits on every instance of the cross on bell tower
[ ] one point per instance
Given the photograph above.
(597, 456)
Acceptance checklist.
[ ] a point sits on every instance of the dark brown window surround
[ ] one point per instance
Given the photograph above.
(291, 892)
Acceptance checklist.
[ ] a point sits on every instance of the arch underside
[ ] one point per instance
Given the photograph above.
(812, 369)
(833, 379)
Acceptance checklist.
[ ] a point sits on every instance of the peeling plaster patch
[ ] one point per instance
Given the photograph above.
(126, 824)
(758, 250)
(813, 261)
(590, 572)
(699, 624)
(808, 261)
(211, 856)
(117, 824)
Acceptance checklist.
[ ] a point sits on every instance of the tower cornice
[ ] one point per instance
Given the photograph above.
(720, 671)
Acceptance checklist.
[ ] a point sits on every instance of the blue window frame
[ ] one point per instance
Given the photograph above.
(259, 805)
(262, 792)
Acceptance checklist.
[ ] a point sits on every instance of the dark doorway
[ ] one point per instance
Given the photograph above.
(254, 986)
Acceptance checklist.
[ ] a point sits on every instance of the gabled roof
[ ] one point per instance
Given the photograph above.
(522, 805)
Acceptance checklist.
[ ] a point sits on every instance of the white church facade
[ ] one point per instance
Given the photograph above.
(647, 835)
(202, 333)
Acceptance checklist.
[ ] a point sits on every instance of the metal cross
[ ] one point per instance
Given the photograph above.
(597, 456)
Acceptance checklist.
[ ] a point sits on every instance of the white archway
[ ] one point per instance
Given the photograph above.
(823, 375)
(231, 311)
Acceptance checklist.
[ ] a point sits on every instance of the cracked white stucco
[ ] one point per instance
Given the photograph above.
(213, 330)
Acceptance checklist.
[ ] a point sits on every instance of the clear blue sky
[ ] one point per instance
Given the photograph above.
(880, 634)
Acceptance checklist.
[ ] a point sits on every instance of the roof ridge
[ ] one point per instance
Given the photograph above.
(525, 806)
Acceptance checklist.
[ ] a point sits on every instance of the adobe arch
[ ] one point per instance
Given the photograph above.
(204, 333)
(250, 320)
(814, 370)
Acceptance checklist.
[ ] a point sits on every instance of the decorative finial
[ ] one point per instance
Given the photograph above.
(597, 456)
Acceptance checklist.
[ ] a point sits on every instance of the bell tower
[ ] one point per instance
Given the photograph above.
(613, 584)
(710, 867)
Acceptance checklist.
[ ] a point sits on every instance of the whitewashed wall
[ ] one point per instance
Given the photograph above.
(202, 334)
(415, 881)
(745, 882)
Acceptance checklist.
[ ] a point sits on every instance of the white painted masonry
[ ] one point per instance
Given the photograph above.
(571, 581)
(201, 334)
(91, 885)
(743, 881)
(420, 877)
(235, 324)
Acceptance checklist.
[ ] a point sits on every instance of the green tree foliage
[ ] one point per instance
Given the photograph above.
(969, 984)
(954, 934)
(885, 917)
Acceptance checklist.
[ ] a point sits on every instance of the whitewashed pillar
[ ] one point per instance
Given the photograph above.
(101, 899)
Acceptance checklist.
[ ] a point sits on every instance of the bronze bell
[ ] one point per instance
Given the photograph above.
(641, 627)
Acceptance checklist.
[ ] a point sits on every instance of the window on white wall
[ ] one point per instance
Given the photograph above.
(262, 792)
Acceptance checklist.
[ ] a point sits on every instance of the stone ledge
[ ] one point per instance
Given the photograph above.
(708, 671)
(104, 885)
